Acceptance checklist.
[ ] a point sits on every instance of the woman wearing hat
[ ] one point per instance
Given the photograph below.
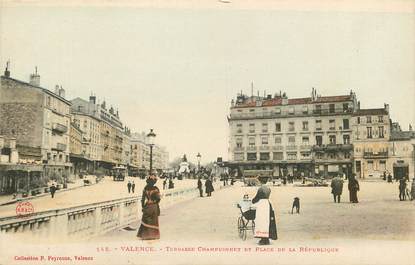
(265, 224)
(150, 199)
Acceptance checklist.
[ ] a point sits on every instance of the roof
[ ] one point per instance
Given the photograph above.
(402, 135)
(363, 112)
(38, 87)
(277, 101)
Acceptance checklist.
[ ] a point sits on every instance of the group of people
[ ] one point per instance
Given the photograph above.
(208, 187)
(169, 185)
(131, 187)
(404, 190)
(337, 188)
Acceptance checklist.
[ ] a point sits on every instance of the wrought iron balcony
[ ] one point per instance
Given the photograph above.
(59, 128)
(375, 154)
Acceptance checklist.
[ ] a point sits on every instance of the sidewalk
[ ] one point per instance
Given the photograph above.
(8, 199)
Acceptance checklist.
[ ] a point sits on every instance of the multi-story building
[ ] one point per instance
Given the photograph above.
(287, 136)
(401, 160)
(39, 119)
(371, 134)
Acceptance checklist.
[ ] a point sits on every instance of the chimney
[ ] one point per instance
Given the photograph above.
(35, 78)
(92, 99)
(57, 89)
(62, 92)
(386, 107)
(7, 72)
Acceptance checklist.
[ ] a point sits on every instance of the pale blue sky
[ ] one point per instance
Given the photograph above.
(176, 70)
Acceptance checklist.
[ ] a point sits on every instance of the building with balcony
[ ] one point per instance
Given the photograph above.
(298, 136)
(39, 120)
(401, 154)
(371, 134)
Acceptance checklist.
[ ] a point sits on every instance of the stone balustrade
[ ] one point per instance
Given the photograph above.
(90, 220)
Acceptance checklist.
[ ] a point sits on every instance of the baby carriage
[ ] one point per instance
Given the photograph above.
(246, 221)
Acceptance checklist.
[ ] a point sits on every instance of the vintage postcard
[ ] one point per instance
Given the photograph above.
(207, 132)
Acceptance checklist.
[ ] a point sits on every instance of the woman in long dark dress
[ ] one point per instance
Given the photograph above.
(353, 189)
(149, 228)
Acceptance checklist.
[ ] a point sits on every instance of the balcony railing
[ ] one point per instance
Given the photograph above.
(332, 147)
(264, 147)
(251, 148)
(59, 128)
(238, 149)
(291, 147)
(278, 147)
(375, 155)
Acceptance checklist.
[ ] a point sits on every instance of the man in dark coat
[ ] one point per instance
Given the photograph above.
(132, 187)
(199, 187)
(389, 178)
(209, 187)
(129, 186)
(53, 190)
(337, 188)
(171, 184)
(353, 189)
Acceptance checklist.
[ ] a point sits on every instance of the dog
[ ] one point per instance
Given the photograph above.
(296, 205)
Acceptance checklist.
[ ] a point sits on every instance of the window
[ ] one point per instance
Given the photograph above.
(358, 120)
(380, 118)
(382, 165)
(332, 139)
(346, 124)
(291, 156)
(318, 109)
(369, 132)
(238, 128)
(252, 110)
(347, 155)
(345, 107)
(332, 124)
(291, 139)
(291, 110)
(331, 108)
(265, 127)
(305, 109)
(318, 125)
(319, 140)
(264, 156)
(85, 124)
(278, 127)
(277, 140)
(381, 132)
(370, 165)
(369, 119)
(264, 140)
(305, 125)
(291, 126)
(277, 111)
(239, 156)
(305, 140)
(251, 156)
(346, 139)
(239, 142)
(252, 127)
(278, 156)
(305, 155)
(251, 141)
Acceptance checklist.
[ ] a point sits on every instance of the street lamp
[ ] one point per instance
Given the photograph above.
(199, 156)
(151, 135)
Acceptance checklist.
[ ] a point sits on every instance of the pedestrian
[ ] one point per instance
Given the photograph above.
(199, 187)
(129, 186)
(171, 184)
(413, 189)
(402, 189)
(284, 180)
(389, 178)
(209, 187)
(265, 224)
(149, 228)
(53, 190)
(165, 183)
(133, 187)
(337, 188)
(353, 188)
(384, 175)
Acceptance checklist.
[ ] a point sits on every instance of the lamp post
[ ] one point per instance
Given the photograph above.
(199, 156)
(151, 135)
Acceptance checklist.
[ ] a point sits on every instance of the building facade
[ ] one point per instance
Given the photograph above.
(39, 119)
(371, 135)
(299, 136)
